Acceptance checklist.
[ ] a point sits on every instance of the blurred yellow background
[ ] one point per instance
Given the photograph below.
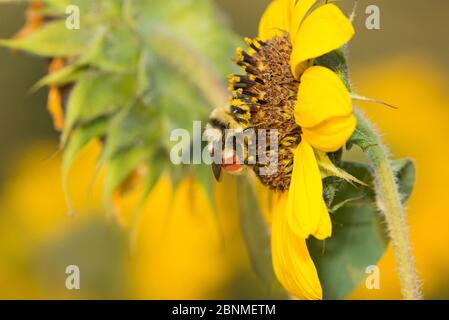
(197, 254)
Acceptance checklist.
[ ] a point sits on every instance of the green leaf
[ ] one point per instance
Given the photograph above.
(359, 238)
(66, 75)
(73, 71)
(118, 51)
(135, 126)
(406, 175)
(80, 137)
(360, 139)
(53, 40)
(336, 61)
(96, 95)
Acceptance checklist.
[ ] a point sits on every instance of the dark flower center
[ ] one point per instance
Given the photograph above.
(265, 98)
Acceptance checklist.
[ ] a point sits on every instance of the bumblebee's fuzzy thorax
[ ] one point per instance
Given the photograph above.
(265, 98)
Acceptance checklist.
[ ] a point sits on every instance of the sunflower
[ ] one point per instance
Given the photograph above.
(311, 109)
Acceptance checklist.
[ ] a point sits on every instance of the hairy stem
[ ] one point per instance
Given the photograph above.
(389, 202)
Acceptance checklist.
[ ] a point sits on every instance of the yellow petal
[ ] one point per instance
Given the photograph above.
(321, 96)
(325, 227)
(291, 259)
(323, 31)
(301, 8)
(331, 135)
(276, 19)
(305, 205)
(54, 106)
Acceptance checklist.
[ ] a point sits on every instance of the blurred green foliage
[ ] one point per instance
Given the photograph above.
(140, 69)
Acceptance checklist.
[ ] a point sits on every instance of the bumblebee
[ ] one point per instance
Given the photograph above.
(224, 123)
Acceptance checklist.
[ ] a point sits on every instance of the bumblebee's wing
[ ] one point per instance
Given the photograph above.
(216, 169)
